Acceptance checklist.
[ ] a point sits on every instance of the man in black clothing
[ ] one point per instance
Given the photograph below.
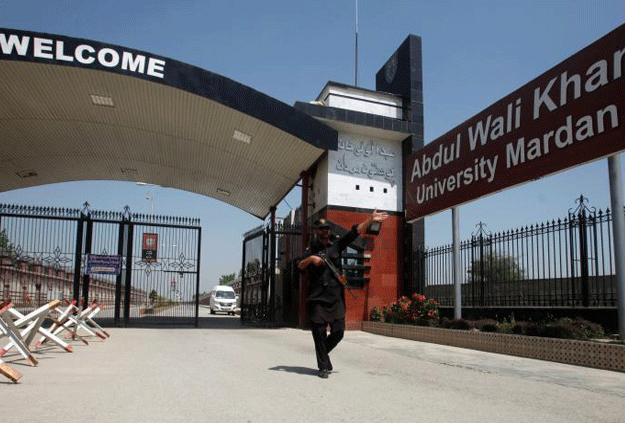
(326, 295)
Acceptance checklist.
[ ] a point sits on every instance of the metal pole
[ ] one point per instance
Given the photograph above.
(618, 228)
(305, 235)
(121, 246)
(86, 278)
(197, 276)
(456, 263)
(272, 266)
(128, 275)
(242, 294)
(356, 53)
(80, 223)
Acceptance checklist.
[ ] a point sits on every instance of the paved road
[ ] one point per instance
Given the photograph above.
(226, 372)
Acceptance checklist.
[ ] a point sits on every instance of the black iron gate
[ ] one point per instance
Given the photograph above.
(151, 275)
(270, 280)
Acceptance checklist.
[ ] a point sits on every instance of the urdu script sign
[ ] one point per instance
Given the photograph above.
(569, 115)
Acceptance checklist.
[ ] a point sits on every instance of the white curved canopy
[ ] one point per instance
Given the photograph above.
(178, 126)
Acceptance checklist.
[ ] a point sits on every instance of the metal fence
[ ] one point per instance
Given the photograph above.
(44, 253)
(568, 262)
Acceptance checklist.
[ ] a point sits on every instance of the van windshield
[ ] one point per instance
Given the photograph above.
(228, 295)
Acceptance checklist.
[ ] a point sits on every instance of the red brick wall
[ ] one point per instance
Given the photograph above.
(386, 266)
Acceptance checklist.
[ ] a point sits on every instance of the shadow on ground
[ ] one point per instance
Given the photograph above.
(296, 369)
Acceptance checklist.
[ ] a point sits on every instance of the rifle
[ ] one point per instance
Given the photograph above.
(341, 278)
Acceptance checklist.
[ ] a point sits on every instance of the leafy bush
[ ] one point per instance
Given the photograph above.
(397, 312)
(417, 310)
(571, 329)
(486, 325)
(376, 314)
(423, 311)
(526, 328)
(460, 324)
(506, 325)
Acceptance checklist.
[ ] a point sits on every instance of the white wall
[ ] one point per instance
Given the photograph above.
(319, 194)
(364, 172)
(382, 104)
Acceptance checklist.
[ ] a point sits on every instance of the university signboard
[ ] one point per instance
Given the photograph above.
(569, 115)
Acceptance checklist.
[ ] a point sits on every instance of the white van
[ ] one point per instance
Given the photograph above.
(223, 299)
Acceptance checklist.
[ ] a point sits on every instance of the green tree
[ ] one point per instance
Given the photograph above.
(153, 296)
(253, 268)
(495, 268)
(6, 248)
(227, 279)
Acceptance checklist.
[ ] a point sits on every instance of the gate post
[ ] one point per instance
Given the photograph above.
(272, 266)
(264, 295)
(303, 286)
(128, 275)
(579, 215)
(243, 293)
(482, 276)
(583, 257)
(86, 278)
(197, 282)
(78, 256)
(121, 249)
(618, 229)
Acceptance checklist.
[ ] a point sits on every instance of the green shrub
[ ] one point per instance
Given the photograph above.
(486, 325)
(568, 328)
(397, 312)
(415, 310)
(526, 328)
(588, 330)
(506, 325)
(461, 324)
(560, 329)
(376, 314)
(420, 310)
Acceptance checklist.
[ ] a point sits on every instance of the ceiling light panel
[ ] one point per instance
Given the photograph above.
(241, 136)
(101, 100)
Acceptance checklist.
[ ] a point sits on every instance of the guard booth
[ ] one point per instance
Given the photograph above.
(271, 283)
(141, 269)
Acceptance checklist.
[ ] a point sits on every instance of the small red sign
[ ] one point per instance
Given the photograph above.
(150, 248)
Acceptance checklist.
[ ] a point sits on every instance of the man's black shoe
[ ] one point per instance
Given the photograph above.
(329, 365)
(323, 374)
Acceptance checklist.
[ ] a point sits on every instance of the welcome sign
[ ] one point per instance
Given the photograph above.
(569, 115)
(21, 45)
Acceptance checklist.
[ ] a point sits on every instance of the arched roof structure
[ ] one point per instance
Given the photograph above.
(74, 109)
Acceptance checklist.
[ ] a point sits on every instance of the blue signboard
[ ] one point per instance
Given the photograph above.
(98, 264)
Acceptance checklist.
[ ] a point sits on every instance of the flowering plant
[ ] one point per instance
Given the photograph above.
(422, 309)
(418, 310)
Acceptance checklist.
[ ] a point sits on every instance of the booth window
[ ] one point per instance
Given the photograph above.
(353, 264)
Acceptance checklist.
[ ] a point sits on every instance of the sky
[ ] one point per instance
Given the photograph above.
(474, 53)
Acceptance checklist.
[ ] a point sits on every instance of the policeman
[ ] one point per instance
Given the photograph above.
(326, 295)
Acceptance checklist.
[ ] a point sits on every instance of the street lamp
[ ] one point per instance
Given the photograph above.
(149, 195)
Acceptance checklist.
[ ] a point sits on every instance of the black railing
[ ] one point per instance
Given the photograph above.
(563, 263)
